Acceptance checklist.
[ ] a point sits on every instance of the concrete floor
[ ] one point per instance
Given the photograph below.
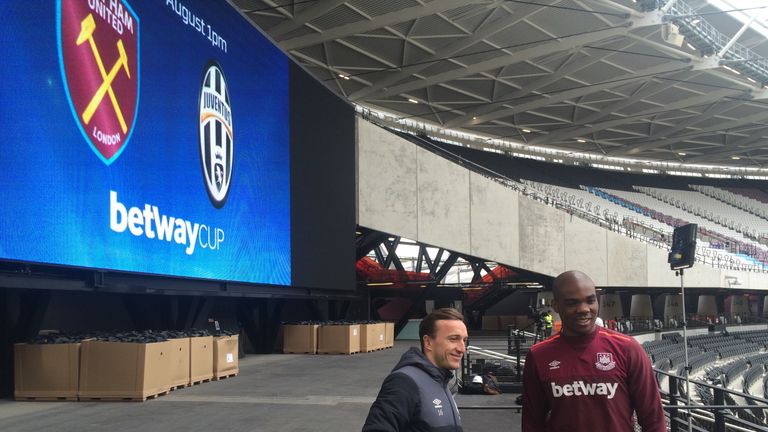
(272, 393)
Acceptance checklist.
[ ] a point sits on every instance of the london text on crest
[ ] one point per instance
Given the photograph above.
(99, 60)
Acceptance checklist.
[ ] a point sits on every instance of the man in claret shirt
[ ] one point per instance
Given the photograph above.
(588, 378)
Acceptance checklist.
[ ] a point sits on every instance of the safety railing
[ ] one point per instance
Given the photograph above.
(723, 414)
(501, 355)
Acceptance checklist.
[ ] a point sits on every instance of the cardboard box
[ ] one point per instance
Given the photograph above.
(179, 358)
(505, 321)
(225, 361)
(200, 359)
(371, 337)
(46, 372)
(338, 339)
(300, 339)
(490, 322)
(524, 322)
(120, 371)
(389, 334)
(381, 335)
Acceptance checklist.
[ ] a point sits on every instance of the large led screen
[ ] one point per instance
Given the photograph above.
(144, 136)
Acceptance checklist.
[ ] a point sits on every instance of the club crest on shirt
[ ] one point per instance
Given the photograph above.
(605, 361)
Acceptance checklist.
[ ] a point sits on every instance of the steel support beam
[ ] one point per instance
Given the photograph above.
(561, 72)
(740, 146)
(679, 105)
(318, 9)
(544, 49)
(418, 303)
(392, 258)
(260, 320)
(483, 32)
(578, 129)
(562, 96)
(738, 35)
(368, 241)
(188, 309)
(378, 22)
(723, 126)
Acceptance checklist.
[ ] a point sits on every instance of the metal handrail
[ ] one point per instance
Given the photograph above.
(717, 416)
(492, 354)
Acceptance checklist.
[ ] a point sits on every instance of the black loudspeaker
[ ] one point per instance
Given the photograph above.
(683, 251)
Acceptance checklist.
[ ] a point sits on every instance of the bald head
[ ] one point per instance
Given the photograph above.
(575, 299)
(568, 278)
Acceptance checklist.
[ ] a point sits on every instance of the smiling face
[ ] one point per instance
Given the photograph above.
(448, 345)
(575, 300)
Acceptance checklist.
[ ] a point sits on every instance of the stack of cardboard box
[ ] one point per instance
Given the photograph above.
(105, 370)
(372, 337)
(300, 338)
(503, 322)
(124, 371)
(47, 372)
(200, 359)
(225, 354)
(389, 334)
(337, 337)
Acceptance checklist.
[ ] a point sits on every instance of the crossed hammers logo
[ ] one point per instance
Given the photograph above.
(87, 27)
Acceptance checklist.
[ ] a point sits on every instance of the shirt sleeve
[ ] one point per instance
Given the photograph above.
(645, 392)
(395, 406)
(535, 405)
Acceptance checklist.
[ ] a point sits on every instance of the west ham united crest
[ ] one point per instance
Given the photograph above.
(605, 361)
(216, 136)
(99, 57)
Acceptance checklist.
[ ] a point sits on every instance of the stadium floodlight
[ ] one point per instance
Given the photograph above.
(683, 253)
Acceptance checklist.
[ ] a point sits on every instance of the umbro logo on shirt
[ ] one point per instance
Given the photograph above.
(438, 406)
(555, 364)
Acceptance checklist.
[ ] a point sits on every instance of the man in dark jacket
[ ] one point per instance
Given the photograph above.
(415, 396)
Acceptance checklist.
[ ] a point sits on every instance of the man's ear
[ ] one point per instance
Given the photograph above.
(555, 306)
(427, 342)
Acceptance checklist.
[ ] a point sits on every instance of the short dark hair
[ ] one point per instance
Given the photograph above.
(429, 323)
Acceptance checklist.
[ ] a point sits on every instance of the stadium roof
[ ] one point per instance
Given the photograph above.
(684, 81)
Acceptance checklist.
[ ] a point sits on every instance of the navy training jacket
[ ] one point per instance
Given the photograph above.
(414, 398)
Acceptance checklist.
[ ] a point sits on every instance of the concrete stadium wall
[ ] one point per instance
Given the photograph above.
(443, 202)
(580, 233)
(386, 182)
(542, 232)
(491, 205)
(408, 191)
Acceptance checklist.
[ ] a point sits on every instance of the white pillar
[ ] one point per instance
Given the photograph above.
(641, 306)
(610, 307)
(429, 306)
(673, 307)
(739, 305)
(707, 306)
(765, 306)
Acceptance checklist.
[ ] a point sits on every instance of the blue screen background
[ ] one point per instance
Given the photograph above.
(54, 190)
